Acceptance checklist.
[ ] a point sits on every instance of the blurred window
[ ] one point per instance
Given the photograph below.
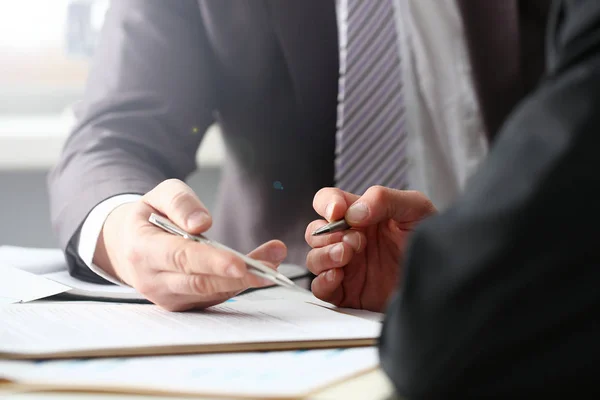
(45, 47)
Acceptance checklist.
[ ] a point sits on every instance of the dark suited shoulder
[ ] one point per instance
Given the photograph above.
(500, 296)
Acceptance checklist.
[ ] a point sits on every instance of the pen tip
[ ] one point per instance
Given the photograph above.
(319, 231)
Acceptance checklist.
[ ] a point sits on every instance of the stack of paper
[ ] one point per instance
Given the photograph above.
(226, 350)
(286, 374)
(87, 329)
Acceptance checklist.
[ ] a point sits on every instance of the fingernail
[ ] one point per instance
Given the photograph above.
(329, 211)
(197, 219)
(352, 239)
(234, 271)
(337, 252)
(357, 213)
(330, 275)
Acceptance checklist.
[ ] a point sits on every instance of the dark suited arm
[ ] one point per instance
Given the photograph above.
(148, 100)
(500, 296)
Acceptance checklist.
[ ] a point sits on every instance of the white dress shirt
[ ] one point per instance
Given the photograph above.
(446, 138)
(91, 228)
(446, 135)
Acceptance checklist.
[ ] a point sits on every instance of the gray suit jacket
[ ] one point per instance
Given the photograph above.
(267, 72)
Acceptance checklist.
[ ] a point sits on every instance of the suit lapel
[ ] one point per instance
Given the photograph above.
(492, 33)
(307, 34)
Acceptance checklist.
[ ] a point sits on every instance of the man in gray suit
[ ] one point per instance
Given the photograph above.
(268, 72)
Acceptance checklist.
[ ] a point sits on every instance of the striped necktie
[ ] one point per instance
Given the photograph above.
(370, 140)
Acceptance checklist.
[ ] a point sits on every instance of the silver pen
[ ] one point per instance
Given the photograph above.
(333, 226)
(254, 267)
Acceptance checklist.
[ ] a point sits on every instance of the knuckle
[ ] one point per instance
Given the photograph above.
(179, 200)
(134, 255)
(333, 238)
(378, 192)
(201, 285)
(145, 287)
(179, 259)
(383, 197)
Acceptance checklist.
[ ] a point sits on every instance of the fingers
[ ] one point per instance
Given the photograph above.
(332, 203)
(180, 204)
(325, 258)
(271, 253)
(327, 286)
(193, 276)
(356, 239)
(321, 240)
(206, 286)
(162, 251)
(179, 292)
(380, 203)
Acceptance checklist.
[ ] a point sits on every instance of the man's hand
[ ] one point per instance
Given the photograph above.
(359, 268)
(173, 272)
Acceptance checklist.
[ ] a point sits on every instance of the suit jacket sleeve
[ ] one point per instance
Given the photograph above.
(500, 295)
(148, 100)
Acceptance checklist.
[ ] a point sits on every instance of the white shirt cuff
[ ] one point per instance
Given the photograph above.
(91, 228)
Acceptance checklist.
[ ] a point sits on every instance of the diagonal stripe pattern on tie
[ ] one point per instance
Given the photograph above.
(371, 138)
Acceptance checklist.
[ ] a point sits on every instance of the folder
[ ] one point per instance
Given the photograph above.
(54, 330)
(287, 374)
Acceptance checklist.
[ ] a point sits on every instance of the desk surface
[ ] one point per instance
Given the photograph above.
(374, 386)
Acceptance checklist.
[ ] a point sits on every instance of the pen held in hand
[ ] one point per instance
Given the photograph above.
(254, 266)
(334, 226)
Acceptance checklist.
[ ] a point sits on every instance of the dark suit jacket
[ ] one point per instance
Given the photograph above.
(501, 293)
(267, 71)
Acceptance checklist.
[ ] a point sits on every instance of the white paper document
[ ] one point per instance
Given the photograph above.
(96, 291)
(279, 293)
(51, 264)
(256, 375)
(35, 260)
(86, 329)
(17, 286)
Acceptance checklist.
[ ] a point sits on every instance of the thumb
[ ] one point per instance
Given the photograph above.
(380, 203)
(178, 202)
